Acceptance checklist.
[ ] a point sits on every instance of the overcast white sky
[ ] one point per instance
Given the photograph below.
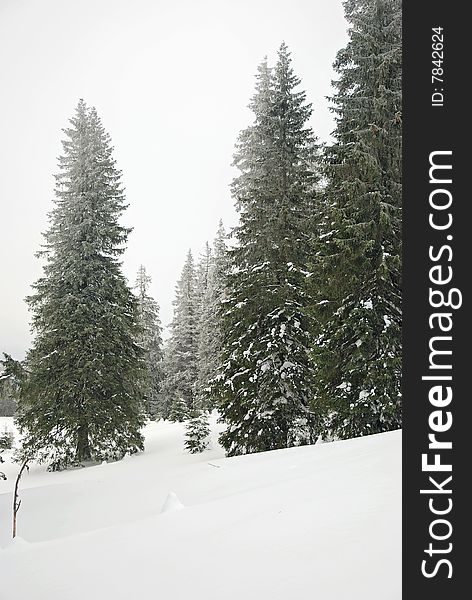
(171, 81)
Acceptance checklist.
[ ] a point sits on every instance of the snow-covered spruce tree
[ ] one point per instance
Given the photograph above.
(181, 349)
(359, 357)
(166, 397)
(209, 334)
(179, 411)
(197, 431)
(203, 274)
(220, 258)
(150, 339)
(11, 375)
(83, 398)
(266, 382)
(204, 322)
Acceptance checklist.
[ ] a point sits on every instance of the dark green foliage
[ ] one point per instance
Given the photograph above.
(209, 326)
(357, 287)
(6, 439)
(83, 397)
(13, 370)
(179, 411)
(197, 432)
(8, 404)
(266, 382)
(150, 340)
(181, 354)
(12, 373)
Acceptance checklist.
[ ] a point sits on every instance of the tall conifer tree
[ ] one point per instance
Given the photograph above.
(83, 397)
(209, 325)
(150, 340)
(266, 382)
(359, 257)
(182, 347)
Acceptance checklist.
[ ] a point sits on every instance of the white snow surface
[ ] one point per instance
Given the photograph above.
(319, 521)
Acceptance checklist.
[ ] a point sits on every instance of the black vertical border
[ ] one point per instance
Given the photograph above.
(426, 129)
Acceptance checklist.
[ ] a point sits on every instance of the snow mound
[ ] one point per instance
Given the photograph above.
(172, 503)
(16, 543)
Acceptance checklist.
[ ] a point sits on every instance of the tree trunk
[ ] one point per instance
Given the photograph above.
(16, 501)
(83, 446)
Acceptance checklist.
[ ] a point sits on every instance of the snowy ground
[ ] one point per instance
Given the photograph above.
(316, 522)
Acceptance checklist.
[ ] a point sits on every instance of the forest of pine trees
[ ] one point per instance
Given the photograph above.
(289, 326)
